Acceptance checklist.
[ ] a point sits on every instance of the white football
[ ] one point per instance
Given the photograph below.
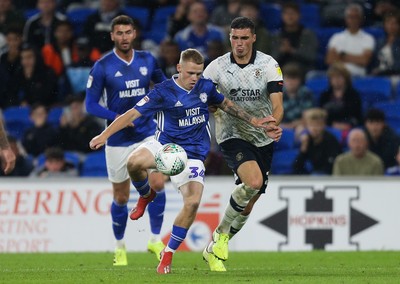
(171, 159)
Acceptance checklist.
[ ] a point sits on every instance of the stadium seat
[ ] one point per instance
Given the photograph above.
(77, 17)
(310, 15)
(317, 85)
(335, 132)
(323, 34)
(54, 116)
(159, 22)
(282, 161)
(30, 12)
(287, 140)
(94, 165)
(17, 121)
(141, 14)
(373, 90)
(271, 15)
(392, 113)
(70, 157)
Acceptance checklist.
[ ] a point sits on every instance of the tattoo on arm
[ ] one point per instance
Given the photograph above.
(3, 138)
(229, 107)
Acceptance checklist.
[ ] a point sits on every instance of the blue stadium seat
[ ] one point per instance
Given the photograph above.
(310, 15)
(373, 90)
(94, 165)
(271, 15)
(54, 116)
(30, 12)
(159, 22)
(392, 113)
(17, 121)
(141, 14)
(287, 140)
(317, 85)
(377, 32)
(282, 161)
(70, 157)
(77, 17)
(335, 132)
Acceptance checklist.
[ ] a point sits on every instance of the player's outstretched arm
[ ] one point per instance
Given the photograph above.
(119, 123)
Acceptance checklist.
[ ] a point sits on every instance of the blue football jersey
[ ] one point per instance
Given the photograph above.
(182, 116)
(122, 84)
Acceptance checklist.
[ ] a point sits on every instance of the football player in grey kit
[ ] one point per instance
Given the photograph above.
(253, 80)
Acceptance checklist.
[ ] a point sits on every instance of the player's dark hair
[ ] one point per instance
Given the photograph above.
(122, 20)
(191, 55)
(241, 23)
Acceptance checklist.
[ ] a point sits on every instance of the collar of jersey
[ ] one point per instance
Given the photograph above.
(127, 63)
(252, 59)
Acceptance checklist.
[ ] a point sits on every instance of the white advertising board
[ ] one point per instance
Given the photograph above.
(296, 214)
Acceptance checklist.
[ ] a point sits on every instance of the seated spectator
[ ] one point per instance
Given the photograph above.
(224, 13)
(199, 32)
(77, 128)
(23, 164)
(169, 57)
(34, 82)
(353, 46)
(296, 97)
(55, 165)
(41, 135)
(294, 43)
(318, 146)
(395, 170)
(382, 140)
(387, 52)
(10, 17)
(97, 26)
(251, 9)
(358, 161)
(381, 8)
(178, 21)
(341, 100)
(39, 29)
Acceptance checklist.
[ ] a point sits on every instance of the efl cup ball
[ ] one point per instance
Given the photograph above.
(171, 159)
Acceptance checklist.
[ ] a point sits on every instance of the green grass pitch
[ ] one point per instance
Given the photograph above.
(243, 267)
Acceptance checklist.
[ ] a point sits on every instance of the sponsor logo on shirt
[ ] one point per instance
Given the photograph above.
(89, 81)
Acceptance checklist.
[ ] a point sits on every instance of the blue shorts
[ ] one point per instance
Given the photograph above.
(238, 151)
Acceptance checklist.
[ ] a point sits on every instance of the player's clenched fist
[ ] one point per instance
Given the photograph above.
(97, 142)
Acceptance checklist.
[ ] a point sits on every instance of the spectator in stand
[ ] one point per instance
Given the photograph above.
(34, 82)
(353, 46)
(341, 100)
(97, 26)
(169, 57)
(387, 52)
(294, 43)
(23, 165)
(77, 128)
(9, 16)
(251, 9)
(41, 135)
(199, 32)
(9, 65)
(64, 51)
(381, 8)
(55, 165)
(395, 170)
(382, 140)
(179, 20)
(224, 13)
(215, 49)
(39, 29)
(318, 146)
(296, 97)
(358, 161)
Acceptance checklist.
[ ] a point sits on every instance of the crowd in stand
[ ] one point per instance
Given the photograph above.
(47, 50)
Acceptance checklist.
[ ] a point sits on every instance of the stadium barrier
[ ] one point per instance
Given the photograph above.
(296, 214)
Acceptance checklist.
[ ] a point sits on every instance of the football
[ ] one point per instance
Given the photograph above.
(171, 159)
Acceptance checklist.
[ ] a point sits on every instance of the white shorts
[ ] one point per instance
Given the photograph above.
(116, 158)
(194, 170)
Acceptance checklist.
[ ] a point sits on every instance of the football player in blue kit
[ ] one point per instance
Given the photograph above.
(122, 78)
(181, 104)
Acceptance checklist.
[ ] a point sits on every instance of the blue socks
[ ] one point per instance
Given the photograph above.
(156, 212)
(119, 216)
(178, 235)
(142, 187)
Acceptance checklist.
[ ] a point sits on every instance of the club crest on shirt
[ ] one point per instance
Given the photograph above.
(257, 73)
(203, 97)
(143, 70)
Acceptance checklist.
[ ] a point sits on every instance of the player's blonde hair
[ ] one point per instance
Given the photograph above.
(191, 55)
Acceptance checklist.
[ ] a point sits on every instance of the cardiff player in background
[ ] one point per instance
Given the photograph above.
(181, 104)
(122, 78)
(254, 81)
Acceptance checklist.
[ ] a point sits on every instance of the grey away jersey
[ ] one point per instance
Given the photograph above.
(246, 87)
